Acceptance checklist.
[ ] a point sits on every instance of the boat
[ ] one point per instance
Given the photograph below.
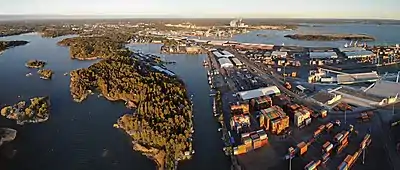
(29, 74)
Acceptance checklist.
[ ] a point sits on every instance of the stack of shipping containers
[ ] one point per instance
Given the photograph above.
(262, 103)
(274, 119)
(251, 141)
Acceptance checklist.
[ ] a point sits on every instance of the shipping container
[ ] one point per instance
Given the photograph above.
(298, 118)
(326, 144)
(235, 151)
(246, 140)
(262, 134)
(317, 132)
(254, 136)
(325, 156)
(324, 113)
(242, 149)
(329, 148)
(322, 127)
(264, 141)
(257, 144)
(302, 148)
(338, 137)
(342, 166)
(249, 148)
(329, 126)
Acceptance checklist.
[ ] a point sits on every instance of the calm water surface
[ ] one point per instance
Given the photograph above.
(80, 135)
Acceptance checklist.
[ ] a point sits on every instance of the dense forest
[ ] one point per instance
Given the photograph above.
(163, 111)
(35, 64)
(53, 32)
(9, 44)
(89, 48)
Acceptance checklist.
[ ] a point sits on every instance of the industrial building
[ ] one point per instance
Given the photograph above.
(357, 78)
(323, 55)
(225, 62)
(236, 62)
(384, 89)
(279, 54)
(356, 52)
(222, 54)
(251, 94)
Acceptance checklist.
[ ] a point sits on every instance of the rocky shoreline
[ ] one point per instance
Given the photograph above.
(7, 135)
(330, 37)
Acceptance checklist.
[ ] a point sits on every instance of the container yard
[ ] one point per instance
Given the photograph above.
(270, 129)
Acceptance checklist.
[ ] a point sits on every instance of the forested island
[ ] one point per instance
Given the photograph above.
(91, 48)
(35, 64)
(161, 126)
(37, 111)
(7, 135)
(331, 37)
(9, 44)
(45, 74)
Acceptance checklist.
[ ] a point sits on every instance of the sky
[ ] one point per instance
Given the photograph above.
(365, 9)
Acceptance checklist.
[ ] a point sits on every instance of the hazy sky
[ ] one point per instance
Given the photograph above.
(209, 8)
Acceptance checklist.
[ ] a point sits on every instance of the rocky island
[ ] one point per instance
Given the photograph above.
(37, 111)
(45, 74)
(35, 64)
(161, 127)
(331, 37)
(9, 44)
(7, 135)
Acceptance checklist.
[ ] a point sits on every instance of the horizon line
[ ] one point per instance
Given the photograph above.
(157, 16)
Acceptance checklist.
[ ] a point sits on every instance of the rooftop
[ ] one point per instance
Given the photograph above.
(385, 89)
(251, 94)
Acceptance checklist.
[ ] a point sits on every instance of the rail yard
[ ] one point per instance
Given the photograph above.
(274, 120)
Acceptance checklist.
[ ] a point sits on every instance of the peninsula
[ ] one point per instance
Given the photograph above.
(45, 74)
(91, 48)
(162, 125)
(9, 44)
(37, 111)
(331, 37)
(35, 64)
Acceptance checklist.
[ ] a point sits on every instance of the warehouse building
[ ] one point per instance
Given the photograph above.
(356, 52)
(266, 91)
(357, 78)
(237, 62)
(225, 62)
(222, 54)
(384, 89)
(323, 55)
